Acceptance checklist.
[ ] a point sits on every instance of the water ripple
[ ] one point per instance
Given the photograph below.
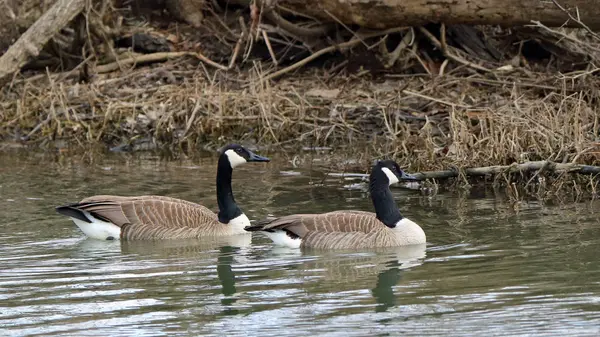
(487, 270)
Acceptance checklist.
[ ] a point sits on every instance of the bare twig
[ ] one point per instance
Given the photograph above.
(448, 54)
(513, 83)
(563, 35)
(443, 67)
(155, 57)
(9, 10)
(238, 44)
(406, 41)
(55, 76)
(192, 118)
(310, 58)
(443, 43)
(433, 99)
(326, 50)
(272, 15)
(577, 19)
(339, 22)
(268, 43)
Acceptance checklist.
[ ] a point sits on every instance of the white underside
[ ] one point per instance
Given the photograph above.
(280, 238)
(237, 224)
(409, 233)
(101, 230)
(98, 229)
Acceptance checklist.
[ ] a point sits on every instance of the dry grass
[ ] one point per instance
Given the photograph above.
(427, 123)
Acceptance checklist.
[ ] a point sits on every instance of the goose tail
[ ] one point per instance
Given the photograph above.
(259, 225)
(91, 224)
(72, 211)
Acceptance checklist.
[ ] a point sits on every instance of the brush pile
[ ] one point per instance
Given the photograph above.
(432, 96)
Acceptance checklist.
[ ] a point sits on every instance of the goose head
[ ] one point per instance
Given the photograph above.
(236, 155)
(391, 171)
(384, 174)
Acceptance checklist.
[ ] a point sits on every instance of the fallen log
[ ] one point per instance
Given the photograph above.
(30, 44)
(542, 166)
(383, 14)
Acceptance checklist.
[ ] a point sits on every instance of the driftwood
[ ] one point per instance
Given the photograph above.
(33, 40)
(156, 57)
(542, 166)
(377, 14)
(383, 14)
(140, 59)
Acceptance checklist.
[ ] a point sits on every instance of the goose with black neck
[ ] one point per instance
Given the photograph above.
(349, 229)
(153, 217)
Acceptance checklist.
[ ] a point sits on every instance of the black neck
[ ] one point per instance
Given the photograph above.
(385, 207)
(228, 209)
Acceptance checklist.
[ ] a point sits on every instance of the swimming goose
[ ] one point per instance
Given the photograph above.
(346, 229)
(109, 217)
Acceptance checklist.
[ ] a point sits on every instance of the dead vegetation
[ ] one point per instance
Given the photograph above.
(433, 97)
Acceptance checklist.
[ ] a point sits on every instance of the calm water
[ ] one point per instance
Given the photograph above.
(487, 270)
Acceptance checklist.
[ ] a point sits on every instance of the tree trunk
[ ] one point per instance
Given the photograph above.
(382, 14)
(30, 44)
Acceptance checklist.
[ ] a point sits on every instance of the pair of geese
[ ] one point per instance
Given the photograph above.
(108, 217)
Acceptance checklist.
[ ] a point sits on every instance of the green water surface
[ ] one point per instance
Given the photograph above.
(487, 270)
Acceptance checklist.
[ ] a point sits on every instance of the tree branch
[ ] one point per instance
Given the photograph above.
(33, 40)
(542, 165)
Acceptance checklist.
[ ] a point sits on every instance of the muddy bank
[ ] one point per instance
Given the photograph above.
(425, 122)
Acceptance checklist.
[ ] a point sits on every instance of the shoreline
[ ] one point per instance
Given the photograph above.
(517, 183)
(465, 124)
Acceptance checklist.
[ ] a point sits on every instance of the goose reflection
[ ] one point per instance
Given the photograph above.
(220, 252)
(186, 247)
(231, 250)
(348, 270)
(383, 291)
(227, 278)
(379, 270)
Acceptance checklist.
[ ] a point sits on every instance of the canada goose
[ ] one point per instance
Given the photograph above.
(109, 217)
(346, 229)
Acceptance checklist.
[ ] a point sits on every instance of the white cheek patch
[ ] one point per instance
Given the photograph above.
(234, 158)
(391, 176)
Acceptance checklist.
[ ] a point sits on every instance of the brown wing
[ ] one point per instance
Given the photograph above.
(379, 237)
(331, 222)
(353, 211)
(160, 211)
(333, 230)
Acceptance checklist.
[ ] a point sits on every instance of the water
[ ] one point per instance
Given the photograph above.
(488, 269)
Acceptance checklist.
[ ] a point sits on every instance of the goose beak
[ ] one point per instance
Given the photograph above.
(409, 177)
(257, 158)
